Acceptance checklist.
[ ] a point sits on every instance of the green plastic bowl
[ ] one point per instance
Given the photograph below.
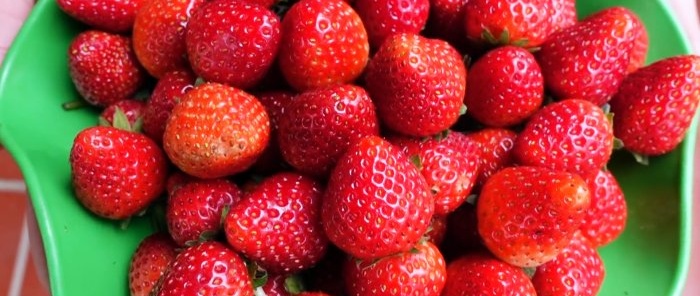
(86, 255)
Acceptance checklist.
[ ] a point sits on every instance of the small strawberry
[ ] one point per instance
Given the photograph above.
(496, 145)
(209, 268)
(577, 270)
(149, 262)
(131, 112)
(606, 218)
(564, 14)
(169, 90)
(116, 173)
(318, 126)
(323, 43)
(418, 84)
(482, 274)
(528, 214)
(518, 22)
(103, 67)
(656, 104)
(446, 21)
(420, 271)
(505, 87)
(215, 131)
(376, 202)
(383, 18)
(275, 285)
(571, 135)
(109, 15)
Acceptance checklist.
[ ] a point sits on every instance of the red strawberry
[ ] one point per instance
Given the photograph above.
(577, 270)
(528, 214)
(638, 56)
(323, 43)
(418, 84)
(505, 87)
(496, 145)
(232, 42)
(209, 268)
(376, 202)
(278, 224)
(109, 15)
(275, 103)
(482, 274)
(518, 22)
(176, 179)
(590, 59)
(656, 104)
(607, 216)
(159, 34)
(571, 135)
(274, 286)
(446, 21)
(116, 173)
(383, 18)
(103, 67)
(131, 114)
(564, 14)
(217, 130)
(167, 93)
(149, 262)
(420, 271)
(318, 126)
(195, 210)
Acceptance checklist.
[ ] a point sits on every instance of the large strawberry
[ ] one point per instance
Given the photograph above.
(420, 271)
(383, 18)
(518, 22)
(103, 67)
(109, 15)
(656, 104)
(496, 145)
(418, 84)
(528, 214)
(216, 130)
(169, 90)
(116, 173)
(149, 262)
(376, 202)
(482, 274)
(232, 42)
(323, 43)
(318, 126)
(278, 224)
(606, 218)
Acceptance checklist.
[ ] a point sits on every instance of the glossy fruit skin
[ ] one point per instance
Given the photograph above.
(526, 215)
(376, 202)
(110, 15)
(589, 60)
(209, 268)
(159, 34)
(274, 286)
(278, 224)
(116, 173)
(197, 207)
(418, 84)
(133, 109)
(383, 18)
(571, 135)
(606, 218)
(496, 145)
(232, 42)
(319, 125)
(656, 104)
(506, 87)
(577, 270)
(640, 48)
(149, 262)
(169, 90)
(323, 43)
(215, 131)
(480, 273)
(526, 21)
(564, 14)
(419, 272)
(103, 67)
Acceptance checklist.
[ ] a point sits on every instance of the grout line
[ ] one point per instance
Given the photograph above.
(12, 185)
(20, 267)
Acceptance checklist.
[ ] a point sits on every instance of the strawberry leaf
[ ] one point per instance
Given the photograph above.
(462, 109)
(641, 159)
(504, 38)
(618, 144)
(416, 161)
(443, 134)
(488, 36)
(471, 199)
(530, 271)
(101, 121)
(120, 121)
(521, 42)
(293, 285)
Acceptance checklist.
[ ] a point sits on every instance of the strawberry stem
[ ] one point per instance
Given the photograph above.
(73, 105)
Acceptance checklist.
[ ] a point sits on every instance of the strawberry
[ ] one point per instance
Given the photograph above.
(103, 67)
(169, 90)
(577, 270)
(159, 34)
(275, 103)
(496, 145)
(528, 214)
(275, 285)
(437, 229)
(418, 84)
(109, 15)
(318, 126)
(656, 104)
(588, 60)
(376, 202)
(607, 216)
(420, 271)
(506, 87)
(518, 22)
(640, 48)
(446, 21)
(564, 14)
(571, 135)
(149, 262)
(217, 130)
(278, 224)
(195, 210)
(232, 42)
(131, 110)
(383, 18)
(323, 43)
(209, 268)
(116, 173)
(482, 274)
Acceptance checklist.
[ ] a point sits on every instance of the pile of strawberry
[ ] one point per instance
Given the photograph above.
(368, 147)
